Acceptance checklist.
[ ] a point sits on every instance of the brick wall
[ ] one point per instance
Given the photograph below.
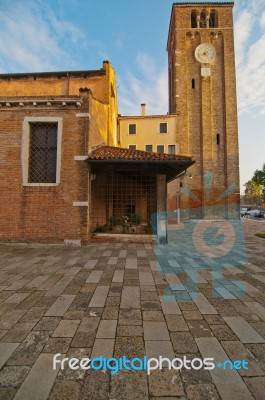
(42, 213)
(209, 108)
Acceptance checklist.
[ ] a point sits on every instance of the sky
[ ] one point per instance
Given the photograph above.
(50, 35)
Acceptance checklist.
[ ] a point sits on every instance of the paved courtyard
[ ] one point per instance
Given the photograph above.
(134, 299)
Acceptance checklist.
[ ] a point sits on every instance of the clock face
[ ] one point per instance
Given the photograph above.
(205, 53)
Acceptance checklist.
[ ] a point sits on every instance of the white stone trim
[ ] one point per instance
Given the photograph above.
(25, 149)
(80, 203)
(80, 158)
(80, 115)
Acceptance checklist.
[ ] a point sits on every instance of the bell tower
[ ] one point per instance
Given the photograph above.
(202, 92)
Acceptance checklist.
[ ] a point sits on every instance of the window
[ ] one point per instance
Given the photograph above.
(132, 146)
(218, 138)
(132, 129)
(41, 151)
(203, 21)
(193, 83)
(194, 19)
(160, 149)
(213, 19)
(148, 147)
(171, 149)
(163, 127)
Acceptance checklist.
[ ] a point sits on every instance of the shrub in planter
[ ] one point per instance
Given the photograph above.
(135, 219)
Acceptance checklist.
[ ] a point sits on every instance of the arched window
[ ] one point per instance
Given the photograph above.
(213, 19)
(193, 19)
(203, 20)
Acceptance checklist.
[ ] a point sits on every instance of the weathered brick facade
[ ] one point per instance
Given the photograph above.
(206, 106)
(85, 102)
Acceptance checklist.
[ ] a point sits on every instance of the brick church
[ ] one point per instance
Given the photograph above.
(67, 169)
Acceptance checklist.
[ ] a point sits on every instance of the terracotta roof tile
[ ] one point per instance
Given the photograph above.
(117, 153)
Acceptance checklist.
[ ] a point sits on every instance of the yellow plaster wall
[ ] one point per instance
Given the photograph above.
(147, 131)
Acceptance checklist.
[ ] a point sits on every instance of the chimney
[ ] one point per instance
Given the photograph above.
(143, 110)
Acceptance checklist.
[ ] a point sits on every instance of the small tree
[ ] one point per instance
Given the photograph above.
(253, 192)
(259, 179)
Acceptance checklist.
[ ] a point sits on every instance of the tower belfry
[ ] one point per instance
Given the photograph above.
(202, 92)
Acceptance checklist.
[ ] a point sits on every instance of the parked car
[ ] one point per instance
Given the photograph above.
(244, 211)
(256, 213)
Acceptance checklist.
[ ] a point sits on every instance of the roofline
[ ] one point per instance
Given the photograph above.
(147, 116)
(61, 74)
(119, 161)
(191, 3)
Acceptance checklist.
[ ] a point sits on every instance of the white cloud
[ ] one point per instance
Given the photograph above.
(147, 85)
(33, 39)
(262, 20)
(250, 55)
(242, 30)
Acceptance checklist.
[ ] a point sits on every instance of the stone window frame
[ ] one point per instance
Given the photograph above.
(26, 149)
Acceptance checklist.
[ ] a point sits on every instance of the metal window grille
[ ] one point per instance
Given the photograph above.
(123, 202)
(43, 152)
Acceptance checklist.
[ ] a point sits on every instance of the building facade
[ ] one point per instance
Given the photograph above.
(64, 172)
(202, 93)
(157, 133)
(70, 165)
(46, 126)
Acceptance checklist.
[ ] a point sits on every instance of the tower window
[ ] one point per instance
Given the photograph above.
(193, 83)
(193, 19)
(203, 21)
(218, 139)
(213, 19)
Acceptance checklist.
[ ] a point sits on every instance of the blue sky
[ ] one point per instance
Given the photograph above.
(46, 35)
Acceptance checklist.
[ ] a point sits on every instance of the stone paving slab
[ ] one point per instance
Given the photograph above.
(130, 299)
(244, 330)
(6, 349)
(60, 306)
(38, 384)
(228, 382)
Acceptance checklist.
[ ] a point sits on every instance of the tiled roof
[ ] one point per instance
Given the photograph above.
(121, 154)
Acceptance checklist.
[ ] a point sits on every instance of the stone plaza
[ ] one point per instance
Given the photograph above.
(113, 299)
